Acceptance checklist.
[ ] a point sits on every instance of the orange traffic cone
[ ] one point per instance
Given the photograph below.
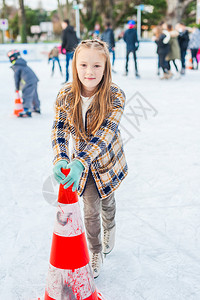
(70, 275)
(18, 104)
(189, 62)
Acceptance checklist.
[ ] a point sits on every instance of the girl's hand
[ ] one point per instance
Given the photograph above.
(76, 169)
(59, 176)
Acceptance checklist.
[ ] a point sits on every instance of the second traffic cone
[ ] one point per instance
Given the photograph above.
(189, 64)
(189, 61)
(70, 274)
(18, 104)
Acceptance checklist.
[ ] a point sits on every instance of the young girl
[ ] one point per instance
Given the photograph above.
(90, 109)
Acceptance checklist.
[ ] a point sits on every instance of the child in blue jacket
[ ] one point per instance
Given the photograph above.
(26, 80)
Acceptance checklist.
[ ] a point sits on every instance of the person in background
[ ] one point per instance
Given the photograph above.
(194, 45)
(132, 45)
(154, 31)
(54, 56)
(95, 36)
(25, 80)
(96, 32)
(174, 52)
(108, 37)
(165, 31)
(69, 43)
(162, 39)
(183, 40)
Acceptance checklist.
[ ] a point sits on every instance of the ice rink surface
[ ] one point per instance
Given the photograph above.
(157, 252)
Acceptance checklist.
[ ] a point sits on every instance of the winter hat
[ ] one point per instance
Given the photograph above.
(131, 24)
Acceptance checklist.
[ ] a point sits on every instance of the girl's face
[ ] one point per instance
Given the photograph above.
(90, 67)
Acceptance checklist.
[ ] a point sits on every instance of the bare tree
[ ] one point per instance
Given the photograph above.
(22, 22)
(67, 8)
(176, 9)
(60, 11)
(105, 7)
(119, 11)
(4, 10)
(96, 10)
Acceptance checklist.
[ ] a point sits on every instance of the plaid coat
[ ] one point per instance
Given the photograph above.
(103, 155)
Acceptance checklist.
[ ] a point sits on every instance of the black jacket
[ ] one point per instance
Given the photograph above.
(162, 48)
(69, 39)
(183, 40)
(24, 75)
(131, 39)
(108, 37)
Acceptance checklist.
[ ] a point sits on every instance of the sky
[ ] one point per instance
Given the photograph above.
(46, 4)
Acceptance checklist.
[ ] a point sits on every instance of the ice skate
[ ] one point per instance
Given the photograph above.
(25, 114)
(108, 240)
(182, 71)
(96, 260)
(177, 76)
(37, 110)
(113, 70)
(137, 75)
(166, 76)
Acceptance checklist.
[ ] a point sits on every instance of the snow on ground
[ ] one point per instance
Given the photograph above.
(156, 256)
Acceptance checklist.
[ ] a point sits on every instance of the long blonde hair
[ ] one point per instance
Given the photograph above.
(101, 105)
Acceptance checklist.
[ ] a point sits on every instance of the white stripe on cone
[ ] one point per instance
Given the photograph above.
(77, 282)
(68, 220)
(100, 296)
(18, 106)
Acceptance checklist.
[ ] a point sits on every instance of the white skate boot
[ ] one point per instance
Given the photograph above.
(96, 260)
(108, 240)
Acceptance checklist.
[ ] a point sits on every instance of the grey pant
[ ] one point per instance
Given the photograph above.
(94, 207)
(30, 97)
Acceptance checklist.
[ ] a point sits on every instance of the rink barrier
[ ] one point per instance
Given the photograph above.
(39, 52)
(70, 273)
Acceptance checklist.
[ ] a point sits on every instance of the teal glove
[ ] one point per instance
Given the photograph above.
(76, 169)
(59, 176)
